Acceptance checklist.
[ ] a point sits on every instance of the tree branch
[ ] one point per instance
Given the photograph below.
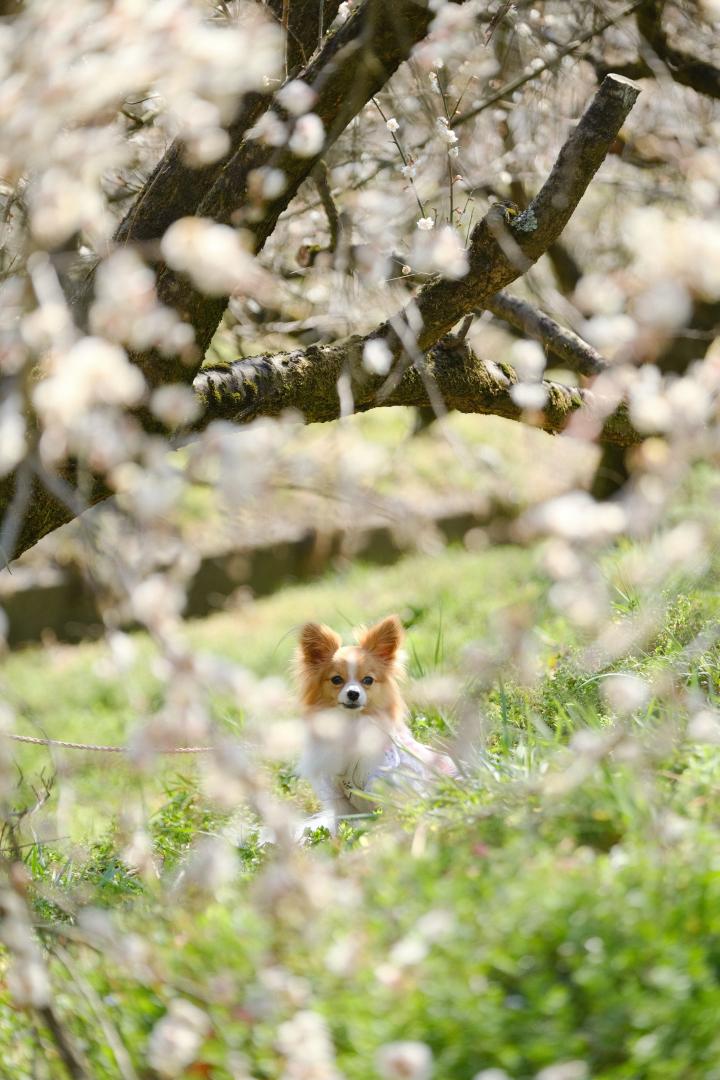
(699, 75)
(564, 344)
(501, 252)
(307, 380)
(498, 254)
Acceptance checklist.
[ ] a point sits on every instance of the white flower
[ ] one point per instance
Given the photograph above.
(392, 124)
(12, 433)
(377, 357)
(92, 372)
(175, 404)
(297, 97)
(425, 224)
(212, 255)
(409, 171)
(405, 1061)
(445, 131)
(176, 1038)
(528, 359)
(308, 136)
(441, 252)
(529, 395)
(625, 693)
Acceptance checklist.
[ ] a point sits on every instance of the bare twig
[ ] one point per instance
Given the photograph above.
(548, 65)
(567, 346)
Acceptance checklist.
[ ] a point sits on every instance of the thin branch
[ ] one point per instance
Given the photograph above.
(322, 183)
(500, 251)
(547, 65)
(699, 75)
(567, 346)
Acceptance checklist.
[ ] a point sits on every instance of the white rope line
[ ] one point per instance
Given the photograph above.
(99, 748)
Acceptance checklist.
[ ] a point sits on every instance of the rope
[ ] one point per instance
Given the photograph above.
(98, 748)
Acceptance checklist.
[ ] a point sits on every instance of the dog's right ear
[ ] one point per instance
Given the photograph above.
(318, 643)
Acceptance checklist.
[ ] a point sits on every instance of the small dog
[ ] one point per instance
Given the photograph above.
(357, 732)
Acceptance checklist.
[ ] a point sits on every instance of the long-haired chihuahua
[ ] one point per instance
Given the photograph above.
(357, 733)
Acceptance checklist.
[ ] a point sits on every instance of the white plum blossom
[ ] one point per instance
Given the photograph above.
(176, 1038)
(377, 357)
(297, 97)
(91, 373)
(12, 433)
(213, 255)
(425, 224)
(308, 136)
(528, 359)
(175, 404)
(445, 131)
(406, 1060)
(625, 693)
(439, 251)
(529, 395)
(392, 125)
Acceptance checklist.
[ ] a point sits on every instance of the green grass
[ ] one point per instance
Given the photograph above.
(514, 920)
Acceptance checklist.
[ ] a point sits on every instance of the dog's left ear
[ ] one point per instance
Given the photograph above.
(384, 639)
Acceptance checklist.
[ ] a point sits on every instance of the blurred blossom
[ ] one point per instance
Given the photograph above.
(377, 358)
(704, 727)
(685, 250)
(266, 184)
(528, 358)
(92, 372)
(306, 1044)
(12, 433)
(60, 205)
(577, 516)
(425, 224)
(492, 1074)
(176, 405)
(439, 251)
(529, 395)
(213, 255)
(176, 1038)
(156, 600)
(625, 693)
(564, 1070)
(610, 333)
(404, 1061)
(126, 310)
(297, 97)
(666, 305)
(308, 136)
(409, 951)
(269, 129)
(449, 32)
(210, 865)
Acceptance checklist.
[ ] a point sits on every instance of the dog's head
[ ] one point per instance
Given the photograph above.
(356, 677)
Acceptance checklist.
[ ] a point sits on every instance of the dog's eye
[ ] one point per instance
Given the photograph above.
(337, 680)
(368, 680)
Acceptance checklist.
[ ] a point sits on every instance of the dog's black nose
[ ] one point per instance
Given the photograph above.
(353, 695)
